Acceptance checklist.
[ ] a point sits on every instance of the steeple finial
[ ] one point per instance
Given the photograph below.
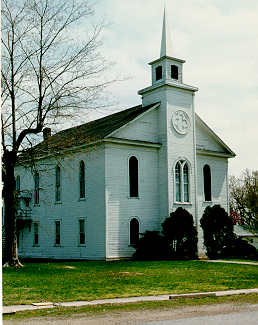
(166, 44)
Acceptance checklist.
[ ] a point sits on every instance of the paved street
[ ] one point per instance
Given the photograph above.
(235, 313)
(246, 318)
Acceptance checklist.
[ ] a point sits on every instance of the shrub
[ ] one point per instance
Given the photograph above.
(181, 234)
(151, 247)
(217, 232)
(242, 249)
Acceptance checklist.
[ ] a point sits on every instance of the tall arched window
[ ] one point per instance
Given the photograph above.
(82, 180)
(36, 188)
(134, 231)
(178, 182)
(58, 184)
(186, 182)
(133, 177)
(182, 183)
(207, 182)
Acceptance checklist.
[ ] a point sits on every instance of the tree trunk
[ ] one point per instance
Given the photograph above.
(10, 197)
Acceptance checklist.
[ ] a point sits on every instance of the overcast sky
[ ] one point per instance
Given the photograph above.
(219, 41)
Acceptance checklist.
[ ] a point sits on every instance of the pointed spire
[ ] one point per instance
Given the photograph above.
(166, 44)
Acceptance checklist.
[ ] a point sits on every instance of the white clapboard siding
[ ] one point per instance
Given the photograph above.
(219, 188)
(144, 128)
(121, 208)
(69, 210)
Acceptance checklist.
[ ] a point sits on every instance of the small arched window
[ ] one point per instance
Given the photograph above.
(36, 188)
(82, 180)
(207, 182)
(58, 184)
(174, 72)
(182, 184)
(133, 177)
(18, 184)
(158, 72)
(134, 231)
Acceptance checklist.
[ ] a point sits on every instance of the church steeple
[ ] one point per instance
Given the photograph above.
(166, 48)
(166, 70)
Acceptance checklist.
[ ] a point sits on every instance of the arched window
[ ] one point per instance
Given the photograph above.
(134, 231)
(174, 72)
(186, 183)
(158, 71)
(36, 188)
(82, 180)
(182, 184)
(58, 184)
(207, 182)
(18, 184)
(133, 177)
(178, 182)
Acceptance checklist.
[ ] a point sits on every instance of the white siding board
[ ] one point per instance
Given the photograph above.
(121, 208)
(143, 129)
(70, 210)
(204, 142)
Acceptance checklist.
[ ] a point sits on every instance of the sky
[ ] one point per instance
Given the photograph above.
(219, 41)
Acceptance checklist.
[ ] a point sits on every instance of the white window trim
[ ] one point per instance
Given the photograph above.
(60, 201)
(79, 186)
(129, 228)
(57, 220)
(35, 245)
(185, 161)
(203, 183)
(36, 189)
(78, 225)
(128, 178)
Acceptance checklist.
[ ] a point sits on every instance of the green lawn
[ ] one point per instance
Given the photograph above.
(88, 280)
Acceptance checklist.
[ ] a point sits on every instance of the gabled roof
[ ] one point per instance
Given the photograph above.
(87, 133)
(224, 149)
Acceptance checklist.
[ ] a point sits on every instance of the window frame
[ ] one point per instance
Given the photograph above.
(56, 239)
(181, 195)
(58, 184)
(130, 232)
(18, 184)
(35, 234)
(207, 183)
(82, 187)
(174, 72)
(36, 188)
(158, 72)
(81, 232)
(132, 185)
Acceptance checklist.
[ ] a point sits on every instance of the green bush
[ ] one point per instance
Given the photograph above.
(151, 247)
(178, 240)
(217, 232)
(181, 234)
(243, 250)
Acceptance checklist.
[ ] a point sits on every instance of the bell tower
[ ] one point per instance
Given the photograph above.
(176, 129)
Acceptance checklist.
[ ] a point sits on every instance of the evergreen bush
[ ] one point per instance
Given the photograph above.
(151, 247)
(181, 234)
(217, 232)
(178, 240)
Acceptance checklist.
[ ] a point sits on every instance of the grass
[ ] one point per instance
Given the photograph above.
(89, 280)
(119, 309)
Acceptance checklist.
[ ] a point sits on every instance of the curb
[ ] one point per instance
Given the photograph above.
(13, 309)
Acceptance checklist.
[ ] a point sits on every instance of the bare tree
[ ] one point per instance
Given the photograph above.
(244, 197)
(51, 70)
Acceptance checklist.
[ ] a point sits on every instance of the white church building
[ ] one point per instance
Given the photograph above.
(96, 187)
